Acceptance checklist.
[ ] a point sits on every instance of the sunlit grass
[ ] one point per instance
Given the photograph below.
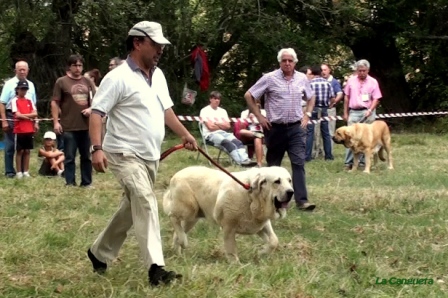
(383, 225)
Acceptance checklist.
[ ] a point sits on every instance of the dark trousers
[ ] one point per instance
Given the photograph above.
(324, 131)
(60, 141)
(289, 138)
(77, 140)
(9, 146)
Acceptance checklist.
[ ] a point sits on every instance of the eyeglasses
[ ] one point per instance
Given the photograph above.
(287, 60)
(77, 65)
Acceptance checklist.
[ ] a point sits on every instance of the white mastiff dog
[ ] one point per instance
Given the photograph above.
(200, 192)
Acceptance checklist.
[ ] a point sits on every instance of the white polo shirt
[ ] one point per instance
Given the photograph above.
(136, 110)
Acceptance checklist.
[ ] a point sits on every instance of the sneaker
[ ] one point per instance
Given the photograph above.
(19, 175)
(98, 266)
(157, 275)
(26, 174)
(60, 173)
(248, 162)
(10, 175)
(306, 206)
(258, 135)
(348, 167)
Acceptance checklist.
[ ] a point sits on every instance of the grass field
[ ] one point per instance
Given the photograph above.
(389, 225)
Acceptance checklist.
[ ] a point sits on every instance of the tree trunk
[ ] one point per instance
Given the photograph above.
(385, 66)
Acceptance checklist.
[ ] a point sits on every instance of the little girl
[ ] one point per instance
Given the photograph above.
(53, 163)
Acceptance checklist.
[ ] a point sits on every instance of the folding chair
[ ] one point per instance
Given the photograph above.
(206, 143)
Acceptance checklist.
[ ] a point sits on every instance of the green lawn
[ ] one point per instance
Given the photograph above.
(387, 225)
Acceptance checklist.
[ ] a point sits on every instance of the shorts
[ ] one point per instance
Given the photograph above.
(45, 169)
(24, 141)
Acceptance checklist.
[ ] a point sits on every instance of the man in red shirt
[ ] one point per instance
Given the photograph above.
(24, 112)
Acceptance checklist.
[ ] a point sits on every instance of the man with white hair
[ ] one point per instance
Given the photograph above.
(286, 122)
(8, 93)
(362, 96)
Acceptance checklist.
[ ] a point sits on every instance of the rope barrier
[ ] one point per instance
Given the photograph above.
(326, 118)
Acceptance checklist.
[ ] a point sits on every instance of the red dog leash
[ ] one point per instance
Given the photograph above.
(180, 146)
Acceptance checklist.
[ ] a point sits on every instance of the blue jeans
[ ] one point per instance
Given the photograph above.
(230, 143)
(324, 131)
(288, 138)
(9, 146)
(60, 141)
(77, 140)
(354, 117)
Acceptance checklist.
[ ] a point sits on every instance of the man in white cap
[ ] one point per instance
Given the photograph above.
(136, 99)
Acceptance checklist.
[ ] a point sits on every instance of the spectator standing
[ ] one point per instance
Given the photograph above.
(114, 62)
(95, 76)
(339, 96)
(324, 98)
(362, 96)
(8, 93)
(24, 112)
(72, 95)
(285, 125)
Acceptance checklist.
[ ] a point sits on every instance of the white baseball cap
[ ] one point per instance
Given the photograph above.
(152, 30)
(50, 135)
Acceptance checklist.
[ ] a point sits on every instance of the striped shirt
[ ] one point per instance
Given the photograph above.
(282, 97)
(323, 91)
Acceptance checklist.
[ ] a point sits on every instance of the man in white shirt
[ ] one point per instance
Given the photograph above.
(216, 123)
(136, 99)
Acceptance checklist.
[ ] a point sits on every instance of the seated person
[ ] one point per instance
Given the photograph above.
(53, 163)
(215, 127)
(251, 133)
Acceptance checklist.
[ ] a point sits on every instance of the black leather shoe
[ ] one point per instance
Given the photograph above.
(98, 266)
(306, 206)
(157, 275)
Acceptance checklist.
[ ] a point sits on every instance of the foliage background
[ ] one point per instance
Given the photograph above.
(404, 41)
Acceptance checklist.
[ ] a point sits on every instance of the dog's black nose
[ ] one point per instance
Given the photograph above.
(289, 194)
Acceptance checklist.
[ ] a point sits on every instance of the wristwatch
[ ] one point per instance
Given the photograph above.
(94, 148)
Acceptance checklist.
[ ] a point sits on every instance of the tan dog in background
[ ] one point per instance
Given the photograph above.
(370, 139)
(200, 192)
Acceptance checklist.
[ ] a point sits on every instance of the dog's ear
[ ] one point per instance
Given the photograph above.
(257, 181)
(348, 134)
